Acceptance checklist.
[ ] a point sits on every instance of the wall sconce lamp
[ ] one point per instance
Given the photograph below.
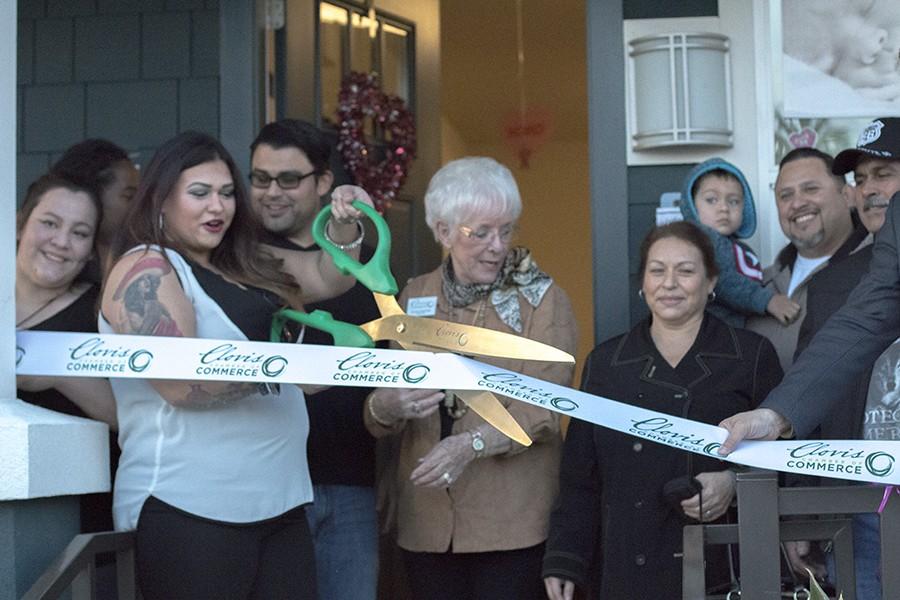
(680, 91)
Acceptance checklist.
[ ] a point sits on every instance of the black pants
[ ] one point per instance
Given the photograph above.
(180, 556)
(508, 574)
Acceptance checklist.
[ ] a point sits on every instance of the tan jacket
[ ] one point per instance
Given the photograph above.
(500, 502)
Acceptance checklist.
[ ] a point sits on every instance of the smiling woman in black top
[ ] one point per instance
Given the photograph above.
(55, 233)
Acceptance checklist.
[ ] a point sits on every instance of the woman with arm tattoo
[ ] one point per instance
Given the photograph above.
(213, 475)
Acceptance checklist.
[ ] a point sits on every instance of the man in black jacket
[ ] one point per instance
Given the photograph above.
(289, 175)
(827, 386)
(814, 216)
(876, 180)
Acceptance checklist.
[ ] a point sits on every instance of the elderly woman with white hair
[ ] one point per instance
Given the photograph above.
(472, 506)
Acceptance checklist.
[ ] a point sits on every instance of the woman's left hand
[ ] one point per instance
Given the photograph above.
(718, 491)
(342, 199)
(444, 463)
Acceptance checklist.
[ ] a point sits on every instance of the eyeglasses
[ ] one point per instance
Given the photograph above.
(484, 235)
(287, 180)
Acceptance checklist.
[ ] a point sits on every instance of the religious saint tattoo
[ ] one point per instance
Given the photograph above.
(144, 314)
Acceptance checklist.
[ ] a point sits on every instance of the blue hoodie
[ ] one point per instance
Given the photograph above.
(748, 222)
(737, 295)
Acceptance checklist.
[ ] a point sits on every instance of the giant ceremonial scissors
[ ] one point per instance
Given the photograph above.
(417, 333)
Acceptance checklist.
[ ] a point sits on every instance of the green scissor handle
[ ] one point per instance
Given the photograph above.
(344, 334)
(375, 274)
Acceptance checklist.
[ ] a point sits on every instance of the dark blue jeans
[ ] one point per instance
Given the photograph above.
(866, 556)
(344, 528)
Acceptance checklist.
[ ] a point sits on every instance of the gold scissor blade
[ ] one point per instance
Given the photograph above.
(462, 339)
(486, 406)
(387, 305)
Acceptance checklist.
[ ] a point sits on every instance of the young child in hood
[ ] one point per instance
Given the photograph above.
(716, 196)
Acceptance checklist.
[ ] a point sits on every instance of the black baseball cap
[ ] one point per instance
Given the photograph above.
(880, 139)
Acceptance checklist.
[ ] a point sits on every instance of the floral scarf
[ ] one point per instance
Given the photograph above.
(518, 274)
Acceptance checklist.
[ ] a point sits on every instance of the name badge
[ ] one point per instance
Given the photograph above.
(424, 306)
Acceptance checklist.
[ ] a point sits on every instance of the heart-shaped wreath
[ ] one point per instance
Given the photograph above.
(361, 97)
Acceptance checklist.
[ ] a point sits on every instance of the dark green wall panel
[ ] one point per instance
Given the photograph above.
(661, 9)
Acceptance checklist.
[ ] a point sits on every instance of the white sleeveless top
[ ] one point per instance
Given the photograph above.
(239, 462)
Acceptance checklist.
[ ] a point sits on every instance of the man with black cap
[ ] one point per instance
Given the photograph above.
(827, 375)
(875, 163)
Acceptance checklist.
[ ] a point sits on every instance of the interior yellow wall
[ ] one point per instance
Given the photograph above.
(555, 221)
(482, 86)
(452, 143)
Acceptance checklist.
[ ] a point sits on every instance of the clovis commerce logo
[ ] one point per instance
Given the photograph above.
(96, 356)
(229, 361)
(661, 429)
(365, 367)
(823, 458)
(515, 386)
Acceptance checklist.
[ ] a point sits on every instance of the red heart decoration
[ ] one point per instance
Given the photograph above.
(805, 138)
(360, 98)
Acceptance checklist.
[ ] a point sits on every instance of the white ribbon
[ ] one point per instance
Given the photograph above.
(145, 357)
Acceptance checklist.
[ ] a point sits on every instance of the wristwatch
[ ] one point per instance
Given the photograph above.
(477, 443)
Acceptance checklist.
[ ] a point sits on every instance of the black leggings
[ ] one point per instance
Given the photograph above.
(502, 575)
(181, 556)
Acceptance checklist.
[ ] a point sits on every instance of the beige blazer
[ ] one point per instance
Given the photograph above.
(500, 502)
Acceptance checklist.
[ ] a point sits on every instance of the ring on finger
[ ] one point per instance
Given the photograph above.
(447, 478)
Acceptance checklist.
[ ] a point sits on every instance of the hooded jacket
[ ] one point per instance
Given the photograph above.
(739, 291)
(689, 210)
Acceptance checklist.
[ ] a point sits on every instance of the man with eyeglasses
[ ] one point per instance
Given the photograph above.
(289, 176)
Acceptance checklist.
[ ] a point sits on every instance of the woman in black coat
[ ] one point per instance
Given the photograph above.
(613, 534)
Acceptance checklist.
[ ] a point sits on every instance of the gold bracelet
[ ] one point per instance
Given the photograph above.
(372, 412)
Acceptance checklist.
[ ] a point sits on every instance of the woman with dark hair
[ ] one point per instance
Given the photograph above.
(55, 232)
(617, 530)
(107, 168)
(213, 475)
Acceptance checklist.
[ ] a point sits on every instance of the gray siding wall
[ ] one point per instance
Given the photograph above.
(645, 184)
(133, 71)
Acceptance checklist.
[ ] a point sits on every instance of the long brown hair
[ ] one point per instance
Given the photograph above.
(239, 256)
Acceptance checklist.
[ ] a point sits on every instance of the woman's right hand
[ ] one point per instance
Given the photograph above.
(559, 589)
(390, 405)
(783, 308)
